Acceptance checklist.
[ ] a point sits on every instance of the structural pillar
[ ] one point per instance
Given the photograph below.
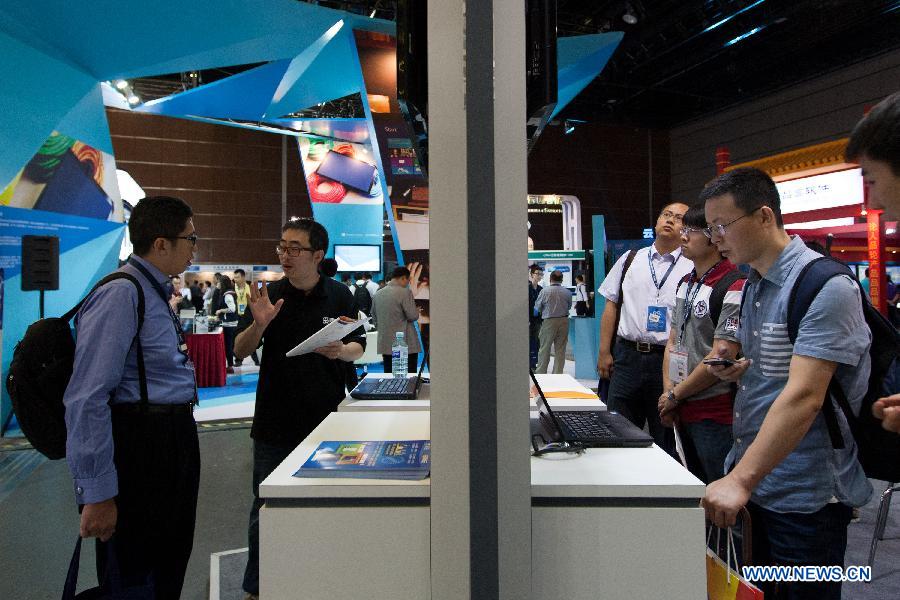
(480, 482)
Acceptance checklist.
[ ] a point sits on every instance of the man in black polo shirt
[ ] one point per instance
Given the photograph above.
(294, 394)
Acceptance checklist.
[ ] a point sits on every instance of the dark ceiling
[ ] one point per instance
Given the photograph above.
(682, 59)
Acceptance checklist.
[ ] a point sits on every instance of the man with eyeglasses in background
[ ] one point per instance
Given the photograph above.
(294, 394)
(875, 143)
(707, 302)
(798, 488)
(134, 454)
(634, 328)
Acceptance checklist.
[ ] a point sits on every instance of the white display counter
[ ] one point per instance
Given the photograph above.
(611, 523)
(554, 383)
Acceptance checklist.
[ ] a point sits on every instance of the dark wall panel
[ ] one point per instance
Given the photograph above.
(231, 177)
(609, 170)
(811, 112)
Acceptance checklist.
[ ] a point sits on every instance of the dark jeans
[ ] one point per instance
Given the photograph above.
(706, 445)
(634, 391)
(412, 362)
(229, 333)
(157, 459)
(819, 538)
(265, 458)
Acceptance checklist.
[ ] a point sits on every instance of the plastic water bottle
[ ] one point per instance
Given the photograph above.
(400, 356)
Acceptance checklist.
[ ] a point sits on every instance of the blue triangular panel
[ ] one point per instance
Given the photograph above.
(579, 60)
(86, 122)
(243, 96)
(329, 69)
(124, 38)
(37, 91)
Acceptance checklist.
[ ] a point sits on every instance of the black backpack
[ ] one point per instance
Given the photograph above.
(363, 299)
(879, 450)
(40, 370)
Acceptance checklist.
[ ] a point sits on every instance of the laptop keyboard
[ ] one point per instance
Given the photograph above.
(584, 425)
(390, 385)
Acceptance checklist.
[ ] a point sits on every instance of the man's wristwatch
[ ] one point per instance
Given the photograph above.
(671, 397)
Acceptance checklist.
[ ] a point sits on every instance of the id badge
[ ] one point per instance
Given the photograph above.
(656, 319)
(678, 366)
(241, 308)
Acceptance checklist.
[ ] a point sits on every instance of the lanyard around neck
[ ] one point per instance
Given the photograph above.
(689, 298)
(660, 284)
(176, 322)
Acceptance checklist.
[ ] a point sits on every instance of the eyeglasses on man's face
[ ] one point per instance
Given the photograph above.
(191, 238)
(719, 228)
(668, 214)
(687, 231)
(293, 251)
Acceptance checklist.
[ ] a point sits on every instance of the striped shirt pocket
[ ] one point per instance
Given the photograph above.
(775, 350)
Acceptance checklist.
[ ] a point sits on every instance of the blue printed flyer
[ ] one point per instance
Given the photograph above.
(394, 459)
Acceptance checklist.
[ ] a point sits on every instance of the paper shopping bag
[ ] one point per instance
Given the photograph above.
(723, 583)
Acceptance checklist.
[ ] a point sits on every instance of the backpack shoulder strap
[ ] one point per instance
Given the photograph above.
(814, 275)
(142, 371)
(811, 279)
(717, 297)
(628, 260)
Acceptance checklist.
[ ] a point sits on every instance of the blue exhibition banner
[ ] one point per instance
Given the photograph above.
(88, 249)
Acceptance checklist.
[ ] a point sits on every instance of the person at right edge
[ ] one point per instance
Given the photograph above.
(798, 488)
(631, 354)
(294, 394)
(875, 143)
(135, 465)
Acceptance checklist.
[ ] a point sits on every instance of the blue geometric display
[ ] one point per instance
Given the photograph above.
(579, 60)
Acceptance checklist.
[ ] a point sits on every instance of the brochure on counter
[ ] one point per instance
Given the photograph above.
(334, 331)
(391, 459)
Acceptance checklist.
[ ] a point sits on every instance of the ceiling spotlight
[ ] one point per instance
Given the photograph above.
(120, 84)
(133, 100)
(629, 16)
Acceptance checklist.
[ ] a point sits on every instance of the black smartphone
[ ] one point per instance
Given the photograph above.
(349, 171)
(719, 362)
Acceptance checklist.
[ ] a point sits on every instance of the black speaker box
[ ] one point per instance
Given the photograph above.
(40, 262)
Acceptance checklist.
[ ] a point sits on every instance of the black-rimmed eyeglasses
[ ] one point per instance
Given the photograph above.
(719, 228)
(191, 238)
(292, 250)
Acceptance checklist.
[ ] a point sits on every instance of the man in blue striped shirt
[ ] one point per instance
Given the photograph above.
(135, 462)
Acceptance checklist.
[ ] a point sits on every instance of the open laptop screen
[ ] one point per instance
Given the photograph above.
(548, 419)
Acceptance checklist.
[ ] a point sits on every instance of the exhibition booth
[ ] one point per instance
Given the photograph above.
(58, 179)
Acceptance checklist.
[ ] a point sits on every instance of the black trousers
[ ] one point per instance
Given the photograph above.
(229, 334)
(634, 391)
(157, 459)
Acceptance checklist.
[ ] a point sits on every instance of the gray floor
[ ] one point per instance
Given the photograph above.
(39, 522)
(39, 525)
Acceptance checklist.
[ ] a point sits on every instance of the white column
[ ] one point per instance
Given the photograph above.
(480, 492)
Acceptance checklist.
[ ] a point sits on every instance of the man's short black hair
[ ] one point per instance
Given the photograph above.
(556, 276)
(877, 135)
(750, 188)
(318, 237)
(241, 272)
(695, 217)
(535, 267)
(328, 267)
(399, 272)
(157, 217)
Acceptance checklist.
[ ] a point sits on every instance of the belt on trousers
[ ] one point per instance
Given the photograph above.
(645, 347)
(136, 408)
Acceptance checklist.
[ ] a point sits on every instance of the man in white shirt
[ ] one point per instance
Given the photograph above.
(634, 328)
